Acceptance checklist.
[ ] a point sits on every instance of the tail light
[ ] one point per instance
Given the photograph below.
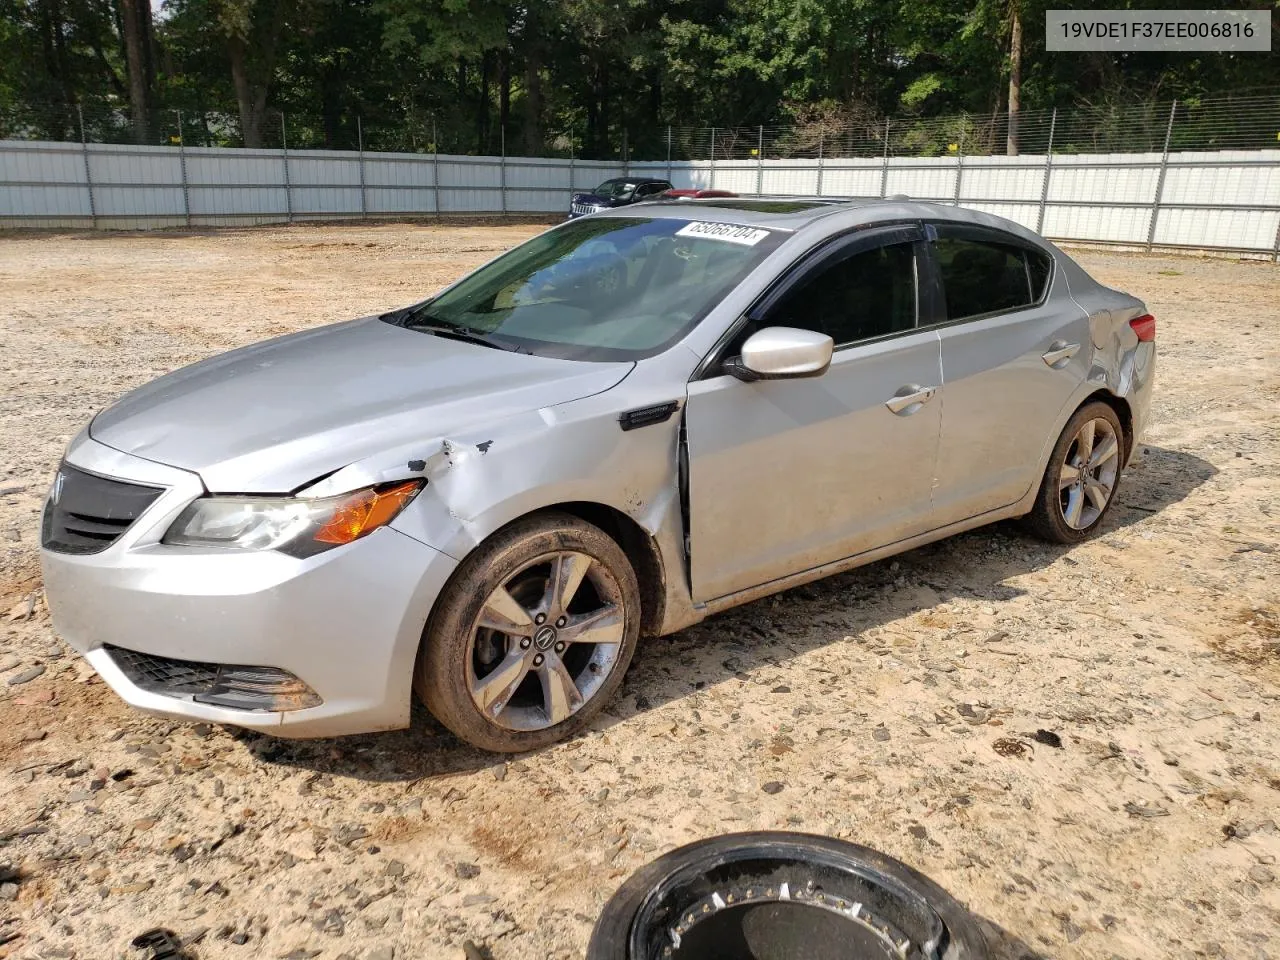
(1145, 327)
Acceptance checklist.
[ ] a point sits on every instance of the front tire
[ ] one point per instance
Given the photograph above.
(1081, 479)
(531, 636)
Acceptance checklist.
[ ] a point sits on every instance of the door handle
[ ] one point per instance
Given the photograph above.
(909, 399)
(1059, 353)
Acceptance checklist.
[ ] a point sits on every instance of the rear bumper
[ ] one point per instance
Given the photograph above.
(1142, 386)
(347, 622)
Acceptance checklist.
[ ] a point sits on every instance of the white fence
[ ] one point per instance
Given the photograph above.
(1227, 200)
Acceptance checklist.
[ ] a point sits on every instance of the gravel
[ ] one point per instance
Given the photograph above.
(25, 676)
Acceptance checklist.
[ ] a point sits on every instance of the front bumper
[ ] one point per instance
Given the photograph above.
(578, 209)
(347, 622)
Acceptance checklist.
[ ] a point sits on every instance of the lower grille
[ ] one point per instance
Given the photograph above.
(86, 513)
(584, 208)
(218, 684)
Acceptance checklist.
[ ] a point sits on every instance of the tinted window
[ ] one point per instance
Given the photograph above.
(867, 295)
(600, 288)
(615, 188)
(982, 277)
(1038, 266)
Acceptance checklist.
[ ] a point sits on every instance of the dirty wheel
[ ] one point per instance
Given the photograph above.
(779, 896)
(532, 635)
(1080, 481)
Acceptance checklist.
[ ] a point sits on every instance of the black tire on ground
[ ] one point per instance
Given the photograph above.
(723, 897)
(441, 674)
(1046, 519)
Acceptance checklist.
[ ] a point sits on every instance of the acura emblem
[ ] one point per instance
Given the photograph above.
(545, 638)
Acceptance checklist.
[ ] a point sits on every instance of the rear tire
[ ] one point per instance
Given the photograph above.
(531, 636)
(1081, 478)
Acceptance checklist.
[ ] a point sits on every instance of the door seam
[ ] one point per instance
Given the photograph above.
(942, 416)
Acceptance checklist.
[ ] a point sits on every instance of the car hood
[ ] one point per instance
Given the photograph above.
(277, 415)
(598, 200)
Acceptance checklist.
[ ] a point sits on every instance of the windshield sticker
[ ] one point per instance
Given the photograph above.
(728, 232)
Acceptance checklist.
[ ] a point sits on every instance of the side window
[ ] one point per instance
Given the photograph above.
(1038, 267)
(983, 277)
(867, 295)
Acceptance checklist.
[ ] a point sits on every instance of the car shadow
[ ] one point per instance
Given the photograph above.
(977, 565)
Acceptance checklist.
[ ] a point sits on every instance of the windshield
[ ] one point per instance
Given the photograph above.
(615, 189)
(609, 288)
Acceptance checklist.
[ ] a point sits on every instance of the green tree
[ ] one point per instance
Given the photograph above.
(586, 75)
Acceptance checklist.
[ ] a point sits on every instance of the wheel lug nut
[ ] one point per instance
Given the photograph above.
(537, 661)
(540, 618)
(524, 643)
(562, 621)
(560, 647)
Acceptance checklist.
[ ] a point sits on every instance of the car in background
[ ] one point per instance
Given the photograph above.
(694, 194)
(624, 425)
(617, 192)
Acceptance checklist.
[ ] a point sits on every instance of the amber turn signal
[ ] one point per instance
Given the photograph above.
(366, 510)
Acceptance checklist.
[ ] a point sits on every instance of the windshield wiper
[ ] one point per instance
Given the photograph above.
(465, 334)
(421, 320)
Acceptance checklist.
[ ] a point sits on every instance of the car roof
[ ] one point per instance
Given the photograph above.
(795, 214)
(635, 180)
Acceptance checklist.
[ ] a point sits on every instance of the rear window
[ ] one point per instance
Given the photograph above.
(983, 277)
(649, 189)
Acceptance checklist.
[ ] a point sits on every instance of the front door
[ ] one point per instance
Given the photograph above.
(786, 475)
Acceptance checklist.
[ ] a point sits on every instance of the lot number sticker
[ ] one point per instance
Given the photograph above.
(728, 232)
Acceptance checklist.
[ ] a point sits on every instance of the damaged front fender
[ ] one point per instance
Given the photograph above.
(574, 456)
(477, 482)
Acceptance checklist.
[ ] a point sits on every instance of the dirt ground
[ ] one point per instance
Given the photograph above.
(896, 706)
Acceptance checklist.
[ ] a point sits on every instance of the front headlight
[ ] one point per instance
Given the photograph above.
(297, 526)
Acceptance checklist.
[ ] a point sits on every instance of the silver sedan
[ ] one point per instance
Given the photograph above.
(628, 423)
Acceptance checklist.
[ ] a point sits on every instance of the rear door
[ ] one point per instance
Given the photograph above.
(1015, 348)
(785, 475)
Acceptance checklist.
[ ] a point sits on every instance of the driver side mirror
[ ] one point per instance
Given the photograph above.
(780, 353)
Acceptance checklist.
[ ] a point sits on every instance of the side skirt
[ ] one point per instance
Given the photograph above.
(870, 556)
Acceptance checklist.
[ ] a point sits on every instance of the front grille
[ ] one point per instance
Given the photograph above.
(584, 208)
(220, 684)
(86, 513)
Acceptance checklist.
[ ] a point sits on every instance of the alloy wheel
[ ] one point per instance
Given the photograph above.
(1089, 472)
(545, 641)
